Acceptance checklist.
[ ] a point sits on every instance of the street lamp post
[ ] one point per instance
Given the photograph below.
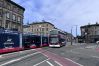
(71, 36)
(71, 33)
(76, 29)
(76, 33)
(41, 34)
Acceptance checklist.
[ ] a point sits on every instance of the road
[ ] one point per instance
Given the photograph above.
(76, 55)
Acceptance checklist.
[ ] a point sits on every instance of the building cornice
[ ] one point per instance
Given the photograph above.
(16, 4)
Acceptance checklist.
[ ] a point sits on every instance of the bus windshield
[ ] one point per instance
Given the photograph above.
(53, 40)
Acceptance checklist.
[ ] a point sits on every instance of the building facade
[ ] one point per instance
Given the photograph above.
(11, 15)
(69, 37)
(40, 28)
(26, 29)
(90, 33)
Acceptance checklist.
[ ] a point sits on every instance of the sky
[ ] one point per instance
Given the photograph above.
(64, 14)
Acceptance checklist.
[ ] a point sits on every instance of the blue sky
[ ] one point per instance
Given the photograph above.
(62, 13)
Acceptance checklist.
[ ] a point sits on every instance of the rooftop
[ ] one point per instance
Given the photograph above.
(41, 23)
(26, 26)
(90, 25)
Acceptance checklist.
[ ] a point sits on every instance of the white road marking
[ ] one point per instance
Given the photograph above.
(0, 56)
(50, 63)
(41, 62)
(12, 61)
(18, 52)
(58, 63)
(74, 52)
(91, 47)
(74, 62)
(95, 56)
(45, 55)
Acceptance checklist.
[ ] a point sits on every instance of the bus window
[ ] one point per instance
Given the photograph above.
(53, 40)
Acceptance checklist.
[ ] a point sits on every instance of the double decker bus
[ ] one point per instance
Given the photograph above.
(57, 38)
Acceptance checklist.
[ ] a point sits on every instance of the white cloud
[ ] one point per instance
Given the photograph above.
(62, 13)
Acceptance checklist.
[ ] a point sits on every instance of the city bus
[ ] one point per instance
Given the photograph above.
(45, 41)
(57, 38)
(34, 41)
(10, 41)
(31, 41)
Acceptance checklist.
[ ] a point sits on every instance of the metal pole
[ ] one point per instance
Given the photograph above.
(41, 36)
(21, 40)
(76, 34)
(41, 40)
(71, 36)
(76, 31)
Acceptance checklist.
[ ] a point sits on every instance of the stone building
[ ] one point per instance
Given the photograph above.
(40, 28)
(11, 15)
(69, 37)
(90, 33)
(26, 28)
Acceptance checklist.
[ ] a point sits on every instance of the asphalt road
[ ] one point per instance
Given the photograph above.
(76, 55)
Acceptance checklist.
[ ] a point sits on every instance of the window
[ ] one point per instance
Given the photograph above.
(14, 17)
(46, 29)
(32, 30)
(47, 25)
(6, 25)
(53, 39)
(19, 19)
(42, 29)
(5, 4)
(1, 2)
(53, 32)
(8, 15)
(37, 29)
(8, 6)
(15, 8)
(0, 23)
(0, 12)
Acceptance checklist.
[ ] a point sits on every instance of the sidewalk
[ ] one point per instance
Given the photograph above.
(74, 44)
(92, 46)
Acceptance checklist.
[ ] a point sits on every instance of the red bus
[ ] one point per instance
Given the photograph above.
(57, 38)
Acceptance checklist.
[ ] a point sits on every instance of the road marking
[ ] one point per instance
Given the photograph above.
(41, 62)
(18, 52)
(50, 63)
(27, 50)
(74, 52)
(58, 63)
(0, 56)
(91, 47)
(95, 56)
(73, 62)
(60, 59)
(12, 61)
(45, 55)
